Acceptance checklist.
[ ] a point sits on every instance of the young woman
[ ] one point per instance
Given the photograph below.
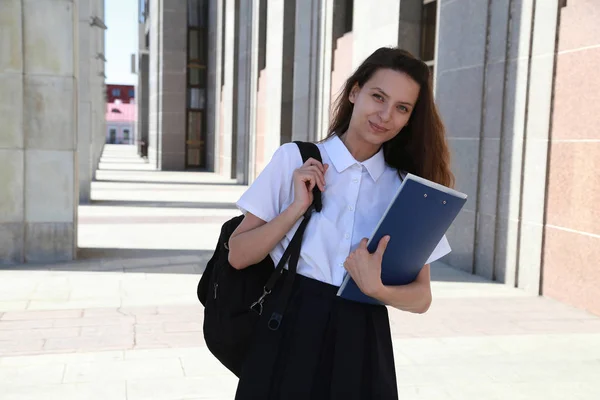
(384, 125)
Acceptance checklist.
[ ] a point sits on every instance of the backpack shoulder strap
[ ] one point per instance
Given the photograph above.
(308, 150)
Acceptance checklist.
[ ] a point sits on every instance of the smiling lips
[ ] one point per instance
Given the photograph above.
(377, 128)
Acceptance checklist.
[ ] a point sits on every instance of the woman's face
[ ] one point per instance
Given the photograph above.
(383, 106)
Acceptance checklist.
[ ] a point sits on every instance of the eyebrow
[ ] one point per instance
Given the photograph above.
(388, 96)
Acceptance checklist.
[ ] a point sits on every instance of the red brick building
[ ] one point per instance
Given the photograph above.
(125, 93)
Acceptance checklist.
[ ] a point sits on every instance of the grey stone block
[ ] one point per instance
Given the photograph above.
(534, 181)
(509, 190)
(521, 15)
(465, 164)
(11, 182)
(46, 242)
(515, 100)
(172, 83)
(461, 237)
(498, 30)
(174, 62)
(173, 161)
(488, 176)
(11, 50)
(49, 113)
(544, 40)
(506, 250)
(11, 111)
(48, 34)
(459, 98)
(462, 34)
(494, 100)
(529, 265)
(49, 186)
(11, 243)
(484, 249)
(540, 97)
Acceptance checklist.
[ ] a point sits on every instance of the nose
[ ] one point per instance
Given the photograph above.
(385, 114)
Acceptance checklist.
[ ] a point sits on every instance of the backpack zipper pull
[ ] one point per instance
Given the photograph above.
(216, 285)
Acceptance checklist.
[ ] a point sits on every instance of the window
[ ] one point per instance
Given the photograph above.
(126, 135)
(131, 93)
(197, 55)
(112, 136)
(428, 32)
(116, 92)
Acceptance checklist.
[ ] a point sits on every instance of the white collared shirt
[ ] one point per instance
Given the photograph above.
(355, 197)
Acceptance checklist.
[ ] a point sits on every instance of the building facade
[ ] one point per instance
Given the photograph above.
(123, 93)
(225, 82)
(121, 123)
(52, 110)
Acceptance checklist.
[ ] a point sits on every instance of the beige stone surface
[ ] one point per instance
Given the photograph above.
(11, 34)
(11, 112)
(11, 184)
(48, 113)
(48, 37)
(49, 186)
(49, 241)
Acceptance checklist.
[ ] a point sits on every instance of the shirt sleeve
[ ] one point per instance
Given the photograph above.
(272, 189)
(442, 249)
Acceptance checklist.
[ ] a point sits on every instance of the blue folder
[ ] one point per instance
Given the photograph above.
(416, 220)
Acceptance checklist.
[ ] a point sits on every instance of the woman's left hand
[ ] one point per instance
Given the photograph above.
(365, 268)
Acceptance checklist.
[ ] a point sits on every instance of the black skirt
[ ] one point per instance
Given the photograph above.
(325, 348)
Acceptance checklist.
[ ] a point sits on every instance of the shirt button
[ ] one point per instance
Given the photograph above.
(350, 208)
(355, 180)
(347, 236)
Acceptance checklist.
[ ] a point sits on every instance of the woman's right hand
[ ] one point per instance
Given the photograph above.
(305, 178)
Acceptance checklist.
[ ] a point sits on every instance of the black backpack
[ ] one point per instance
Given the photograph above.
(233, 299)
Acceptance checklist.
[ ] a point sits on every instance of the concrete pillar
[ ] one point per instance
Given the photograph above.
(142, 99)
(227, 156)
(38, 68)
(245, 96)
(374, 27)
(306, 70)
(84, 106)
(213, 89)
(172, 77)
(460, 66)
(98, 87)
(274, 68)
(154, 83)
(537, 136)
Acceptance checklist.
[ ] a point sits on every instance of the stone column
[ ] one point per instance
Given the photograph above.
(38, 68)
(245, 96)
(98, 87)
(84, 107)
(213, 89)
(12, 139)
(460, 66)
(274, 68)
(537, 136)
(228, 100)
(172, 77)
(306, 70)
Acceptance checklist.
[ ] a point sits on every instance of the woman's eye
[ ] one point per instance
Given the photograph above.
(402, 108)
(378, 97)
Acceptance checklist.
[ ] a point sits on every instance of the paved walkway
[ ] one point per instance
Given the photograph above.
(123, 321)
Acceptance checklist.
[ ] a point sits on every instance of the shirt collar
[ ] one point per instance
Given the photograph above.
(342, 159)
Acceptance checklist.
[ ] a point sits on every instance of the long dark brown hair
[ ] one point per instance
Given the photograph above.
(420, 148)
